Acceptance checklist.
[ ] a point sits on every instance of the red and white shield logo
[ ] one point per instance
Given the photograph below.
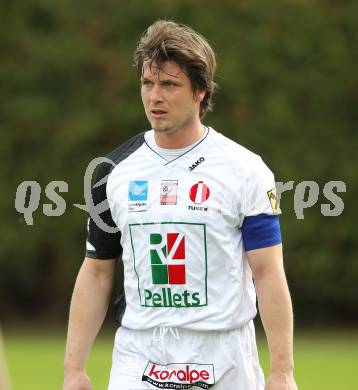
(199, 192)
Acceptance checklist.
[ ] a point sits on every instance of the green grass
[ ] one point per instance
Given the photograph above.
(324, 360)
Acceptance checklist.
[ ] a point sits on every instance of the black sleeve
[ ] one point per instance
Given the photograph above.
(103, 238)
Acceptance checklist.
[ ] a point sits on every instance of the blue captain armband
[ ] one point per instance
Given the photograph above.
(261, 231)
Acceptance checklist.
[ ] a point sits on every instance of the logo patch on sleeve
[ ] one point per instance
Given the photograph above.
(179, 375)
(275, 204)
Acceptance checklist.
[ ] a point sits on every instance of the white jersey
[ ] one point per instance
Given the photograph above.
(179, 227)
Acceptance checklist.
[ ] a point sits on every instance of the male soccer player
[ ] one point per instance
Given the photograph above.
(195, 219)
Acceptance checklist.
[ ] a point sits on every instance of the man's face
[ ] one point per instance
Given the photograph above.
(168, 97)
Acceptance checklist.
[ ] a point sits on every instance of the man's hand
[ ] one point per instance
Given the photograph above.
(76, 381)
(280, 381)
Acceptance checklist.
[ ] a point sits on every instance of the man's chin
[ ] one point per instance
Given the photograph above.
(163, 129)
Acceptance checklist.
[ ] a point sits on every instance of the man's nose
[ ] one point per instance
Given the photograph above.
(156, 94)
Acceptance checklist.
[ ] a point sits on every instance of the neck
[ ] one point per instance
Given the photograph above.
(179, 138)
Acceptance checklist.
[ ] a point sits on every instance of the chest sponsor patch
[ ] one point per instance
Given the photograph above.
(199, 193)
(168, 192)
(137, 195)
(170, 262)
(179, 375)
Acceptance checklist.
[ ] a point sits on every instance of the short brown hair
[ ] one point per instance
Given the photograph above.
(169, 41)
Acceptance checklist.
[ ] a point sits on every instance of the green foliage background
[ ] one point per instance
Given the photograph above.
(287, 72)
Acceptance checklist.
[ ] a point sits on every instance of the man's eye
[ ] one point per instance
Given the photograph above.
(168, 84)
(146, 82)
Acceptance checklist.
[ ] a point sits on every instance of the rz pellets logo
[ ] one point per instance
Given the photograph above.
(173, 250)
(170, 262)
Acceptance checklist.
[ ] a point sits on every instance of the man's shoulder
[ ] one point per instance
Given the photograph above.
(233, 150)
(126, 149)
(119, 154)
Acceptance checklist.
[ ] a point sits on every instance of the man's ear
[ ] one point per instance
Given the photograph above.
(199, 95)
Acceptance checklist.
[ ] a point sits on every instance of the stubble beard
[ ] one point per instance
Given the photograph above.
(171, 129)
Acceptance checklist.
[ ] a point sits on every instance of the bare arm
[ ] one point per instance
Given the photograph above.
(89, 305)
(276, 314)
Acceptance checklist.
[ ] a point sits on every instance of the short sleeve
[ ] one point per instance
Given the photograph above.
(260, 193)
(261, 226)
(102, 242)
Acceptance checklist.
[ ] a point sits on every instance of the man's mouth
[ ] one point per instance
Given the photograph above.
(157, 113)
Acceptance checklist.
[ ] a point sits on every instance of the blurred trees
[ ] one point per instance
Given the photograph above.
(288, 91)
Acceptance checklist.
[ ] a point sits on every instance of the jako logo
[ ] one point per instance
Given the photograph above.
(179, 375)
(173, 251)
(197, 162)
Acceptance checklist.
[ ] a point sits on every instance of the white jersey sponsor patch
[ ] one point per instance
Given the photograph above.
(170, 261)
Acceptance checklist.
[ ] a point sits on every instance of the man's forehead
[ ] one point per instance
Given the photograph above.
(169, 68)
